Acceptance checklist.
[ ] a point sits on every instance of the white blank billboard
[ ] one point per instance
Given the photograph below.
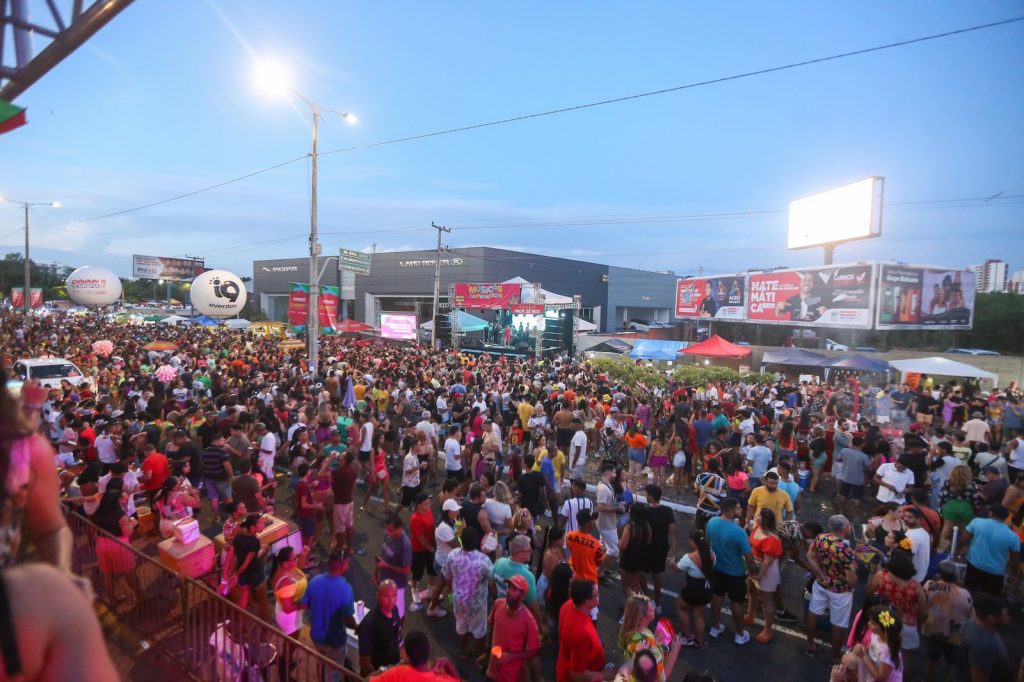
(842, 214)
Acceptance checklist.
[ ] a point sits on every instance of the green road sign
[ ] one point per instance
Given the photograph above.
(354, 261)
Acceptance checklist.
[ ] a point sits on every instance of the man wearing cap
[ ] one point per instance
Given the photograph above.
(977, 430)
(514, 638)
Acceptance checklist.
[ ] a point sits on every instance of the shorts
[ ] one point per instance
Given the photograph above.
(307, 525)
(610, 537)
(409, 495)
(679, 460)
(939, 650)
(364, 456)
(638, 455)
(924, 418)
(470, 621)
(659, 461)
(422, 562)
(819, 461)
(455, 474)
(838, 604)
(771, 579)
(342, 515)
(217, 489)
(911, 638)
(851, 491)
(735, 586)
(958, 511)
(696, 592)
(577, 471)
(978, 580)
(562, 438)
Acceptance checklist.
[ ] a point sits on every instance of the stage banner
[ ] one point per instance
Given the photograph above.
(487, 296)
(328, 308)
(714, 297)
(18, 297)
(831, 296)
(298, 306)
(527, 308)
(921, 297)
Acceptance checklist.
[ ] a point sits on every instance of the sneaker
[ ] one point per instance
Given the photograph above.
(415, 606)
(361, 551)
(437, 612)
(547, 513)
(425, 594)
(716, 630)
(742, 639)
(785, 616)
(686, 640)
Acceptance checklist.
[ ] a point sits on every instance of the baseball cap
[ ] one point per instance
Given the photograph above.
(519, 582)
(451, 505)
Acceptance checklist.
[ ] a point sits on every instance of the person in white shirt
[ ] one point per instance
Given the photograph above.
(107, 445)
(268, 448)
(453, 458)
(893, 479)
(977, 429)
(442, 409)
(131, 484)
(427, 427)
(577, 449)
(920, 540)
(411, 467)
(574, 504)
(747, 425)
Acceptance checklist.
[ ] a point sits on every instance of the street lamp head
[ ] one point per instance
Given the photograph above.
(55, 204)
(350, 118)
(272, 78)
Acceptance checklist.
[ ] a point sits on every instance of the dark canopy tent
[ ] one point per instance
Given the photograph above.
(611, 346)
(793, 356)
(859, 363)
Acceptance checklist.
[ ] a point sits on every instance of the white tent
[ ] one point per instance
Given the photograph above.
(943, 367)
(585, 325)
(550, 298)
(237, 324)
(175, 319)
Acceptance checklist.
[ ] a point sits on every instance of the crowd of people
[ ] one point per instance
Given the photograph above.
(503, 496)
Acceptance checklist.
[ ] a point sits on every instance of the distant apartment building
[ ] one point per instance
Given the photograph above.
(990, 276)
(1016, 283)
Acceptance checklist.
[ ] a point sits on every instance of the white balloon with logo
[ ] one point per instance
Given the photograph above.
(93, 286)
(218, 293)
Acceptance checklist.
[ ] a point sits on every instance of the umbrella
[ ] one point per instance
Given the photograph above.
(291, 344)
(103, 348)
(160, 346)
(351, 326)
(166, 374)
(350, 396)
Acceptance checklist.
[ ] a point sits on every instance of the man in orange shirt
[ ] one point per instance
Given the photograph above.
(155, 469)
(585, 550)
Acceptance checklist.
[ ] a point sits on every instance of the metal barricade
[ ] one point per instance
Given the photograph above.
(190, 625)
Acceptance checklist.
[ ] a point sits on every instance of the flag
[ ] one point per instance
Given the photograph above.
(11, 117)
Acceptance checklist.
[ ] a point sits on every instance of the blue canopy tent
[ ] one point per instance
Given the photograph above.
(859, 363)
(205, 321)
(655, 349)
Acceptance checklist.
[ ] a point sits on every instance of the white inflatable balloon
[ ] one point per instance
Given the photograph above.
(218, 293)
(93, 286)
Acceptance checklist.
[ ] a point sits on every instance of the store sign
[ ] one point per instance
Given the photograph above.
(280, 268)
(487, 296)
(428, 262)
(833, 296)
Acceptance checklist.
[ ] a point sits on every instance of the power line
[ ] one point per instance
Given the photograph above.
(678, 88)
(552, 112)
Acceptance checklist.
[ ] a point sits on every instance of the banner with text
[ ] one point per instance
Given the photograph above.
(160, 267)
(18, 297)
(831, 296)
(327, 306)
(487, 296)
(298, 306)
(717, 297)
(920, 297)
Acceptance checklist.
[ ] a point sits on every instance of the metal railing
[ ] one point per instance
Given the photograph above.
(188, 624)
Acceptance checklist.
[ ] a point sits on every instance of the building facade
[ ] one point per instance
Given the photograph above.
(403, 281)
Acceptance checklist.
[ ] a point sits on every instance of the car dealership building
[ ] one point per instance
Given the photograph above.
(403, 281)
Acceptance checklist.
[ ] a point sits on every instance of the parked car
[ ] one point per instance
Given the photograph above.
(971, 351)
(638, 325)
(835, 345)
(661, 325)
(865, 349)
(48, 371)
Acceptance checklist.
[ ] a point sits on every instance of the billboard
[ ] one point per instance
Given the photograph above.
(486, 296)
(714, 297)
(398, 326)
(922, 297)
(842, 214)
(298, 307)
(327, 308)
(158, 267)
(831, 296)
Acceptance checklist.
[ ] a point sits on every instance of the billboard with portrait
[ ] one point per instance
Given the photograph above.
(830, 296)
(160, 267)
(720, 298)
(924, 297)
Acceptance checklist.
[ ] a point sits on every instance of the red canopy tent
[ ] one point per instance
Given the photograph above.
(717, 347)
(351, 327)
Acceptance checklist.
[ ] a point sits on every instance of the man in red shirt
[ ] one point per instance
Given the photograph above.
(343, 484)
(515, 638)
(580, 652)
(421, 532)
(87, 440)
(155, 469)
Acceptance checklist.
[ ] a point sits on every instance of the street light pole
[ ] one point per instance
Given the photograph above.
(314, 273)
(26, 205)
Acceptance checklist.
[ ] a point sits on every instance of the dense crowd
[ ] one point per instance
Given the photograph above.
(509, 494)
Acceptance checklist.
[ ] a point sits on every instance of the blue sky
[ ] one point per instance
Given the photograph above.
(161, 102)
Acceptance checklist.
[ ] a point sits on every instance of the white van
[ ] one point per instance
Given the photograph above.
(48, 372)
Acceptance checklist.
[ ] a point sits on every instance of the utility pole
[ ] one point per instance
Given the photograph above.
(437, 281)
(313, 327)
(28, 270)
(194, 260)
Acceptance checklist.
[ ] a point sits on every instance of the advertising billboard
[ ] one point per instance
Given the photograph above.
(922, 297)
(18, 297)
(486, 296)
(853, 211)
(298, 307)
(398, 326)
(714, 297)
(159, 267)
(831, 296)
